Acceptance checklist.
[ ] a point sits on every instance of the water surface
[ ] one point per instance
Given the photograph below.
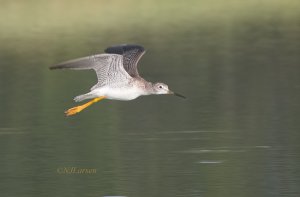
(237, 134)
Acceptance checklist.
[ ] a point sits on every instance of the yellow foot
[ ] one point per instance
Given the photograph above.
(77, 109)
(74, 110)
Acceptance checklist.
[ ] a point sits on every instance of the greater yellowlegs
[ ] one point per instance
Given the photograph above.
(118, 77)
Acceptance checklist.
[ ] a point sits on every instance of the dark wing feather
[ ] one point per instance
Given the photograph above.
(131, 55)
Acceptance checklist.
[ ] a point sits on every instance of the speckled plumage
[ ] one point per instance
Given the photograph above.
(117, 73)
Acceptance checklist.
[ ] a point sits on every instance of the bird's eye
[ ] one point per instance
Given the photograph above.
(160, 87)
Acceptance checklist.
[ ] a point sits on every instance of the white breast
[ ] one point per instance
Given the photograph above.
(119, 93)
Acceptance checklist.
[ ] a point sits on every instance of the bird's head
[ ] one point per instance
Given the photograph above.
(161, 88)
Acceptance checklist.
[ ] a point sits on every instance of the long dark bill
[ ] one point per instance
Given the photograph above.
(179, 95)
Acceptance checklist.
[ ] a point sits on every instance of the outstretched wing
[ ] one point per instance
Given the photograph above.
(131, 55)
(109, 68)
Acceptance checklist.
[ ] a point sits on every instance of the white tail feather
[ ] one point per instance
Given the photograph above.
(83, 97)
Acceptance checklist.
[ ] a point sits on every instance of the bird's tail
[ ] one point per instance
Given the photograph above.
(84, 97)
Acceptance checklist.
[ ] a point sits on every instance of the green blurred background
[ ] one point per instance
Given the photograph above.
(237, 134)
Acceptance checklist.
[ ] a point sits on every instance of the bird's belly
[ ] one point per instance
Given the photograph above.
(122, 93)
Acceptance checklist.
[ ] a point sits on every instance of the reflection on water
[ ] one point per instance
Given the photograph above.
(210, 162)
(237, 134)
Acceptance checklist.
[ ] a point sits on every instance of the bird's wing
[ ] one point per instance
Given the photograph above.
(109, 68)
(131, 55)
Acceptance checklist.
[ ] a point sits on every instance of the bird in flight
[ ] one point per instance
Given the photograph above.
(118, 77)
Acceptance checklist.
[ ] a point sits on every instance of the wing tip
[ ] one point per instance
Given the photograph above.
(55, 67)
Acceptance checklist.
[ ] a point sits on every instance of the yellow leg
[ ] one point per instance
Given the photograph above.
(77, 109)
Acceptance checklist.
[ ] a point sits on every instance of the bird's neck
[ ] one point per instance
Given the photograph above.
(149, 88)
